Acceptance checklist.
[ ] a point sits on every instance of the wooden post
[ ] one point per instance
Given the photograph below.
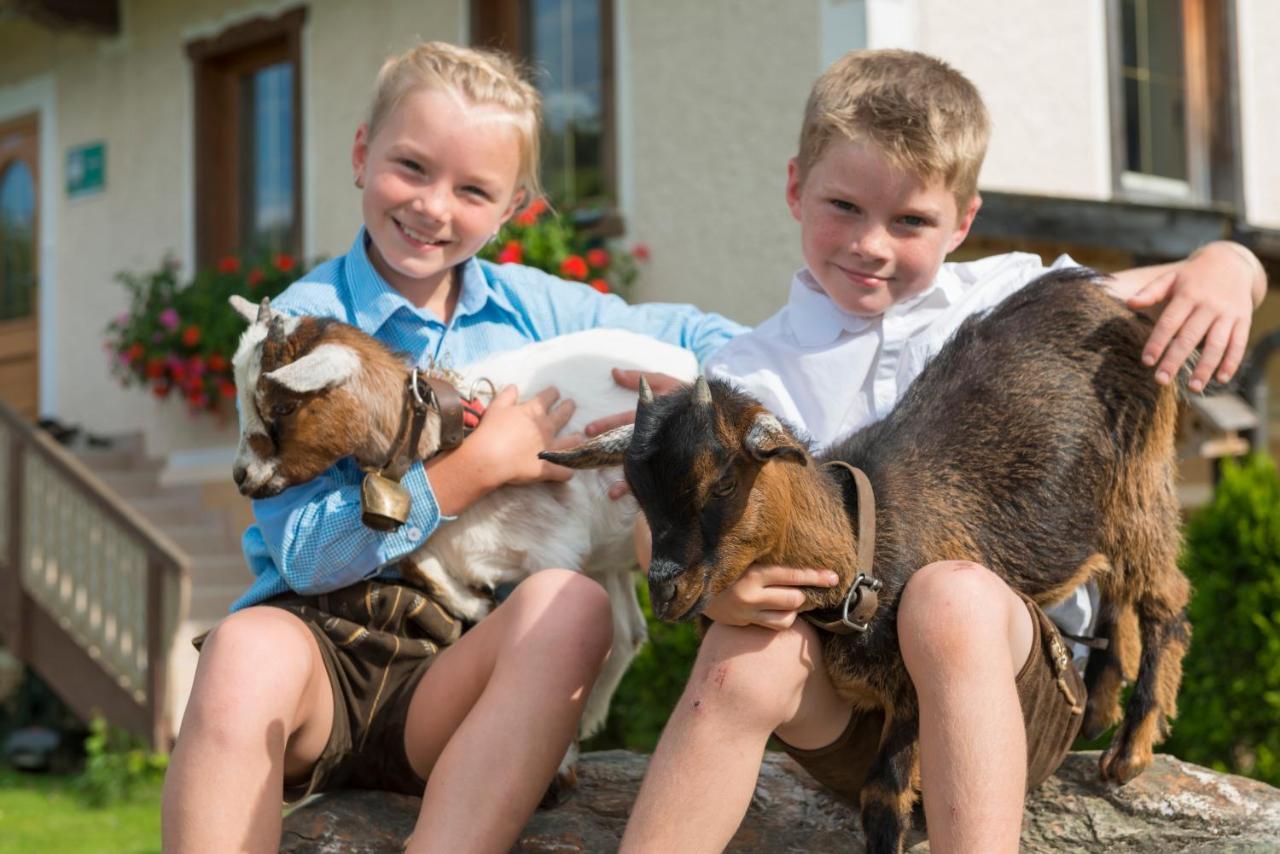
(157, 658)
(13, 621)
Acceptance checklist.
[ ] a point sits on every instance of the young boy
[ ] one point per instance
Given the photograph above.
(884, 187)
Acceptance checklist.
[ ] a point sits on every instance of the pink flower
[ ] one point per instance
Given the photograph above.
(169, 319)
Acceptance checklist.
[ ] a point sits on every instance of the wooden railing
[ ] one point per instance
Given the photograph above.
(91, 594)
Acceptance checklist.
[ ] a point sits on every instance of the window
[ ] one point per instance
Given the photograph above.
(1172, 99)
(248, 152)
(569, 44)
(17, 239)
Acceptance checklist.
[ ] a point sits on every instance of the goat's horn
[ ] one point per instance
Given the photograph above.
(264, 310)
(646, 393)
(275, 332)
(702, 392)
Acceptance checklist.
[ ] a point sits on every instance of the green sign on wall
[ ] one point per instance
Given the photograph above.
(86, 169)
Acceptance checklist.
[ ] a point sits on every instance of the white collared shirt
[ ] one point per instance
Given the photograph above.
(830, 373)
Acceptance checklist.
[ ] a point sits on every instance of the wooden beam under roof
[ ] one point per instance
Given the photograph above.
(97, 16)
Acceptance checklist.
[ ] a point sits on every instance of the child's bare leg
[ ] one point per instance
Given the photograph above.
(964, 636)
(260, 711)
(747, 682)
(496, 711)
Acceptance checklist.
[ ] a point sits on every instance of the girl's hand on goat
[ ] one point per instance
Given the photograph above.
(660, 383)
(504, 448)
(768, 596)
(1208, 303)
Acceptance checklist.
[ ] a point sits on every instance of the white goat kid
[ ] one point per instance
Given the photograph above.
(313, 391)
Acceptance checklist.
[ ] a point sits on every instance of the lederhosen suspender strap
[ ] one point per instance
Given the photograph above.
(861, 601)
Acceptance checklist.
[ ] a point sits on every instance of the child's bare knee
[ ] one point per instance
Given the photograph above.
(947, 607)
(753, 671)
(578, 606)
(255, 663)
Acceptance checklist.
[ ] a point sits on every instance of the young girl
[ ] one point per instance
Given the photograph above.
(328, 673)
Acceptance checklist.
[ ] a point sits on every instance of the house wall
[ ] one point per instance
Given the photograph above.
(1041, 67)
(713, 95)
(134, 93)
(709, 100)
(1258, 30)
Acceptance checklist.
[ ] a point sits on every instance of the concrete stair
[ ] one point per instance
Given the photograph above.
(205, 520)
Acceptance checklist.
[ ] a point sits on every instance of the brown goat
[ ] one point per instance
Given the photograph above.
(1035, 443)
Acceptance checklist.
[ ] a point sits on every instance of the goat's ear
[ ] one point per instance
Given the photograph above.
(603, 451)
(767, 439)
(324, 367)
(244, 308)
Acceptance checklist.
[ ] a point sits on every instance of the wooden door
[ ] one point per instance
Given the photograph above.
(19, 264)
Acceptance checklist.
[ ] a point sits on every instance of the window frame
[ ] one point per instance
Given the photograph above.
(218, 65)
(501, 24)
(1212, 131)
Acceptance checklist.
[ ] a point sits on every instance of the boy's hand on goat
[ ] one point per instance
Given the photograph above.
(767, 596)
(1208, 303)
(659, 383)
(504, 447)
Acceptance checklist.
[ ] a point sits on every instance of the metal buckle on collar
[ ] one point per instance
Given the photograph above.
(854, 596)
(418, 401)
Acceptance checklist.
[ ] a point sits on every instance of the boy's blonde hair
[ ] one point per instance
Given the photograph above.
(481, 77)
(919, 112)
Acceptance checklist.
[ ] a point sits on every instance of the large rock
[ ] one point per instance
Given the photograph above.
(1172, 807)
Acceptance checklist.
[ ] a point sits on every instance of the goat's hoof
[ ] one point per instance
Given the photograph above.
(1119, 765)
(1098, 720)
(561, 789)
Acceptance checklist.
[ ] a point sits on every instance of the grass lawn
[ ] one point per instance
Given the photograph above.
(41, 813)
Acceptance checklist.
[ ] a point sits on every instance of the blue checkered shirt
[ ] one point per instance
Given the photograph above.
(310, 538)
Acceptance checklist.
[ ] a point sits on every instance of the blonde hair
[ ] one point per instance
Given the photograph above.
(921, 114)
(481, 77)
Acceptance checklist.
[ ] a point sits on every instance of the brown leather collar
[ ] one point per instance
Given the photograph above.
(444, 399)
(860, 603)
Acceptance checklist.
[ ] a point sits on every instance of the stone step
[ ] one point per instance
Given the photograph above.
(121, 452)
(210, 602)
(164, 510)
(219, 569)
(142, 483)
(208, 537)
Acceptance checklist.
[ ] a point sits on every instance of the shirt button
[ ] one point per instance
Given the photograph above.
(414, 534)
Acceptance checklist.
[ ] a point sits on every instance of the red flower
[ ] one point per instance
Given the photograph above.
(227, 389)
(178, 371)
(529, 215)
(217, 363)
(191, 336)
(160, 389)
(255, 277)
(155, 369)
(512, 253)
(574, 267)
(598, 258)
(135, 351)
(229, 264)
(600, 284)
(285, 262)
(640, 251)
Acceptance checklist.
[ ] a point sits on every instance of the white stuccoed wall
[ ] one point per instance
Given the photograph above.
(709, 101)
(1258, 33)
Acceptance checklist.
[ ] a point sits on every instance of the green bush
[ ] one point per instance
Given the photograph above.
(653, 684)
(117, 767)
(1230, 701)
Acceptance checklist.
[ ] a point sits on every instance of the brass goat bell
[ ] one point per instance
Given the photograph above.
(384, 502)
